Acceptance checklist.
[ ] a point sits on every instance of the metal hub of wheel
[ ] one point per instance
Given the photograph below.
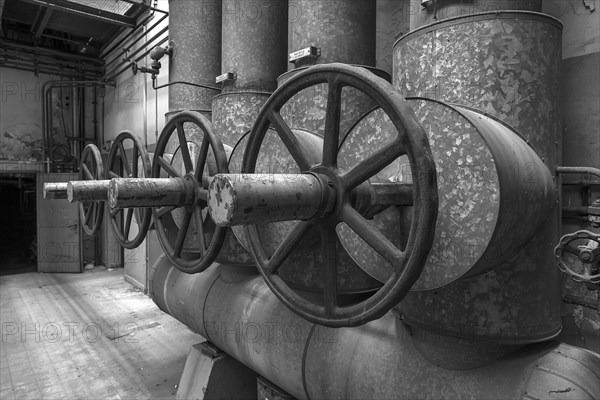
(321, 197)
(187, 234)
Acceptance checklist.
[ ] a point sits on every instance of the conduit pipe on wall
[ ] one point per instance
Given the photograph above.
(46, 101)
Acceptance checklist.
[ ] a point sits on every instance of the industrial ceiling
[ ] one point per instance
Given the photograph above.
(63, 37)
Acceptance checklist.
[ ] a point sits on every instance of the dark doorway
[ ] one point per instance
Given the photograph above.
(18, 242)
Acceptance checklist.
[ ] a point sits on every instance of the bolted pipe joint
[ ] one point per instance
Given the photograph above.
(248, 199)
(87, 191)
(56, 190)
(151, 192)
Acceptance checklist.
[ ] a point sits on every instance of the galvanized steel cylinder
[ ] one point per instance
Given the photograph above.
(505, 64)
(344, 30)
(253, 43)
(195, 35)
(254, 49)
(438, 10)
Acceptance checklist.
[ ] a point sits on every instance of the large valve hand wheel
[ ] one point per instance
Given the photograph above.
(411, 140)
(184, 150)
(137, 165)
(588, 255)
(91, 168)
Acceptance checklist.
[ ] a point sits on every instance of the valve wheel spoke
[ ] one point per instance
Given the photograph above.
(332, 123)
(124, 160)
(287, 245)
(162, 211)
(329, 254)
(87, 172)
(91, 213)
(372, 164)
(372, 236)
(168, 168)
(201, 160)
(290, 140)
(200, 222)
(119, 167)
(185, 151)
(183, 232)
(172, 233)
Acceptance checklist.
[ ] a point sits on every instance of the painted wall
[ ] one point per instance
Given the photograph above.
(21, 115)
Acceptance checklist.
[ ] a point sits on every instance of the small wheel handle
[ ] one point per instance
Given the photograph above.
(588, 255)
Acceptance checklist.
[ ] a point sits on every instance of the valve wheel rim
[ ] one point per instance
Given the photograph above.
(119, 167)
(91, 213)
(408, 263)
(208, 251)
(565, 246)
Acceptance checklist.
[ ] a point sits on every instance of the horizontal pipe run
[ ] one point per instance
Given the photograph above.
(151, 192)
(128, 66)
(245, 199)
(87, 190)
(56, 190)
(578, 170)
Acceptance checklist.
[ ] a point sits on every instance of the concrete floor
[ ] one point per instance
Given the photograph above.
(89, 335)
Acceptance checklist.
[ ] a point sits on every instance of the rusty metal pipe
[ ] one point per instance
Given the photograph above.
(245, 199)
(151, 192)
(87, 190)
(235, 310)
(57, 190)
(579, 170)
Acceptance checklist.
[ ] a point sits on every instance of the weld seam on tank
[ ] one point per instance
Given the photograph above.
(212, 285)
(304, 355)
(501, 14)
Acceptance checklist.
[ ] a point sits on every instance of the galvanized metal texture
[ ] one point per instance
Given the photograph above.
(467, 184)
(439, 10)
(253, 44)
(517, 56)
(306, 109)
(233, 113)
(236, 311)
(91, 168)
(195, 36)
(138, 165)
(55, 190)
(344, 30)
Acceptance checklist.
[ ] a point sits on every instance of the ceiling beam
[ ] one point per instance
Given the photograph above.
(40, 22)
(86, 11)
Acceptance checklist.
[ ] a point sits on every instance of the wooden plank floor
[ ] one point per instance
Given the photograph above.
(89, 336)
